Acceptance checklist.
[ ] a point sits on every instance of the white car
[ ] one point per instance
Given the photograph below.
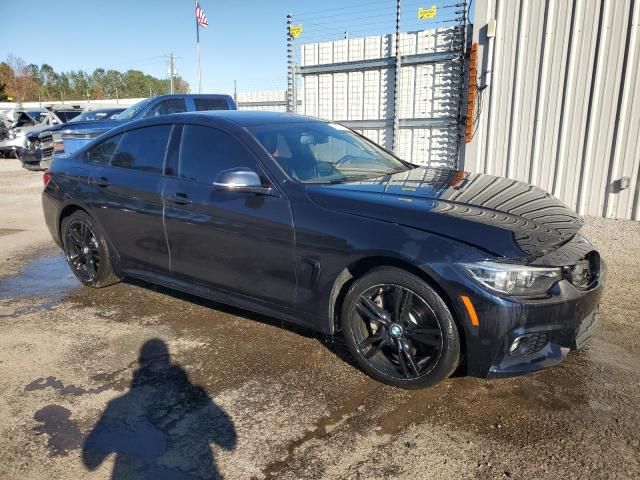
(14, 128)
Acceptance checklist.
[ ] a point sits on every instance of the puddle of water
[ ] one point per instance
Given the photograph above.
(48, 277)
(55, 384)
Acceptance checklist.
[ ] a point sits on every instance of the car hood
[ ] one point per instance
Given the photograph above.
(505, 217)
(90, 126)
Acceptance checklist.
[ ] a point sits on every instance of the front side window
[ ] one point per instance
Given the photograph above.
(205, 104)
(101, 154)
(174, 105)
(205, 152)
(319, 152)
(143, 149)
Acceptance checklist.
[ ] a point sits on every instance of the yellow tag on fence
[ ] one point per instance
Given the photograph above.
(295, 30)
(427, 13)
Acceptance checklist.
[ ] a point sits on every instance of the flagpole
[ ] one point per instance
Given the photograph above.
(198, 55)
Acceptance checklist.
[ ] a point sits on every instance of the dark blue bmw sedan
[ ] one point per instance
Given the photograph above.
(422, 270)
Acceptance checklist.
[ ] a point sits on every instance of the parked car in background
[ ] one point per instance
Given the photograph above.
(41, 145)
(13, 136)
(78, 134)
(67, 114)
(422, 270)
(99, 114)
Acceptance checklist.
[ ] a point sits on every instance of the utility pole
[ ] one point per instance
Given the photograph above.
(172, 71)
(235, 91)
(396, 85)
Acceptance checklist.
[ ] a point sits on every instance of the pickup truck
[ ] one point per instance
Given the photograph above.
(77, 134)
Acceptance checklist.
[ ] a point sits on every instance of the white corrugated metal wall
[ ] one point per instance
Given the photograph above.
(562, 106)
(359, 98)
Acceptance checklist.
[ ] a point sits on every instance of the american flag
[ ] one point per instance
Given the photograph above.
(201, 18)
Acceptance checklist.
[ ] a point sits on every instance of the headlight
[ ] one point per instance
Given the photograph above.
(514, 279)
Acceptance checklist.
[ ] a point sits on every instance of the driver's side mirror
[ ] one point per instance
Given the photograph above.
(241, 180)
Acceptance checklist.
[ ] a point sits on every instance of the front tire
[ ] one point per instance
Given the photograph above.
(87, 252)
(399, 329)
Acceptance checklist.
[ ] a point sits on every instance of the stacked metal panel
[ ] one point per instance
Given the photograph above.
(561, 108)
(341, 81)
(271, 100)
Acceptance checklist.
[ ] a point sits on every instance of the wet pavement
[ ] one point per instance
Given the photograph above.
(108, 383)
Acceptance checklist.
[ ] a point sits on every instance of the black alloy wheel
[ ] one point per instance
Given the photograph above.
(82, 251)
(86, 251)
(399, 329)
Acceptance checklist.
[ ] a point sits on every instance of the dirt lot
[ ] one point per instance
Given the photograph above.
(245, 396)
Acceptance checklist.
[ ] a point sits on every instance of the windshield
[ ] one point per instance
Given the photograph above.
(37, 116)
(133, 110)
(95, 115)
(318, 152)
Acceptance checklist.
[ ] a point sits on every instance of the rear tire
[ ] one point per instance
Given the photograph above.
(399, 329)
(87, 251)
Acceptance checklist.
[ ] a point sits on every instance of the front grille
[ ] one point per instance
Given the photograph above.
(47, 152)
(46, 139)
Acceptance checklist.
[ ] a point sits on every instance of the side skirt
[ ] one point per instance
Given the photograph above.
(232, 299)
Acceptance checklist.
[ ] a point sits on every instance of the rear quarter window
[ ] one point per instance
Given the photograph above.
(205, 104)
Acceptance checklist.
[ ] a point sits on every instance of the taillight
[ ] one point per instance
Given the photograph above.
(46, 178)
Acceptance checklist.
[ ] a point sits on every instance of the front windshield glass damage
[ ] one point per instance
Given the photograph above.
(318, 152)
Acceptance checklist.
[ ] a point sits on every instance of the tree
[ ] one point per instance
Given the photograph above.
(30, 82)
(22, 85)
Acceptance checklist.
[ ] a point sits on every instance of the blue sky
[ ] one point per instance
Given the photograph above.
(245, 40)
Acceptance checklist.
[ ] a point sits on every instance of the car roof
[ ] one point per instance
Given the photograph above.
(248, 118)
(194, 95)
(218, 118)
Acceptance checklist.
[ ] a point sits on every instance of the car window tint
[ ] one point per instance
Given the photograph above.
(174, 105)
(203, 104)
(143, 149)
(101, 154)
(205, 152)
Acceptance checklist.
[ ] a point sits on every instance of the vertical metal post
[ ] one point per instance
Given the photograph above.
(198, 55)
(235, 91)
(396, 85)
(171, 72)
(294, 89)
(290, 72)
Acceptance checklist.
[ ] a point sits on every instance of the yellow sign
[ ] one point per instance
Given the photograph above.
(10, 99)
(427, 13)
(295, 30)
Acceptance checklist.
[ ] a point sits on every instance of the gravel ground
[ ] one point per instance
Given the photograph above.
(246, 396)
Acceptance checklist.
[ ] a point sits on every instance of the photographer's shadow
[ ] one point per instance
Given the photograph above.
(163, 427)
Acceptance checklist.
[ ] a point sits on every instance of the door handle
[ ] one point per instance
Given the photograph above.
(100, 181)
(179, 198)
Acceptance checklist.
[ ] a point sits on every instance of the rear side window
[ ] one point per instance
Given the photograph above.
(143, 149)
(205, 152)
(173, 105)
(101, 154)
(204, 104)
